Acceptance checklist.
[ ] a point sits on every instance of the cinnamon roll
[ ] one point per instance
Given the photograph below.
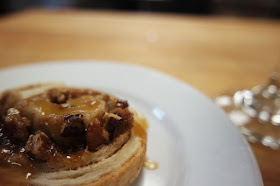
(51, 134)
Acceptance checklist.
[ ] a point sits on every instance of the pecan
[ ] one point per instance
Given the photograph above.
(58, 96)
(73, 125)
(96, 135)
(40, 146)
(122, 104)
(17, 126)
(118, 125)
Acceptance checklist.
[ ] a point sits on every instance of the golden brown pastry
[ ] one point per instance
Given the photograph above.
(55, 135)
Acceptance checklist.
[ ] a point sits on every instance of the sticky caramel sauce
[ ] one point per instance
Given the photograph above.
(140, 125)
(15, 175)
(150, 165)
(79, 105)
(12, 170)
(140, 128)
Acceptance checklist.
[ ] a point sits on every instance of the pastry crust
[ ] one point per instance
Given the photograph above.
(117, 163)
(120, 169)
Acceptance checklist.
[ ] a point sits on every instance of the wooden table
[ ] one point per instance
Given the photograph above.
(213, 54)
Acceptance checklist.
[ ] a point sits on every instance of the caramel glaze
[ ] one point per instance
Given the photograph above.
(49, 117)
(150, 165)
(15, 175)
(79, 105)
(140, 128)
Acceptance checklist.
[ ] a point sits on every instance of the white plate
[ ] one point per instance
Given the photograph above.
(192, 140)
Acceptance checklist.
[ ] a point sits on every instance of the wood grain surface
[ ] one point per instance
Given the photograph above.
(213, 54)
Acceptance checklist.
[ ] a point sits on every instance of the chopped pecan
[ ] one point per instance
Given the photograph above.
(58, 96)
(116, 126)
(7, 100)
(73, 125)
(122, 104)
(39, 145)
(96, 135)
(17, 126)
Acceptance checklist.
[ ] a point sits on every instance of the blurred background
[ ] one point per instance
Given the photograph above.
(246, 8)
